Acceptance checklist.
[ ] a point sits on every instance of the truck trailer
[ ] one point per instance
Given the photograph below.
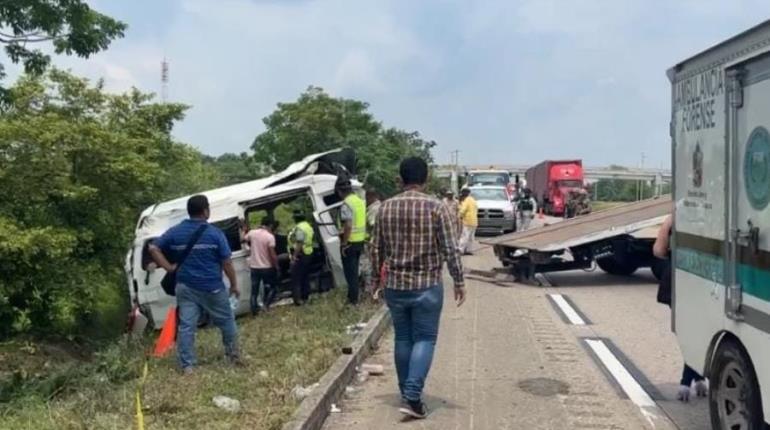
(552, 181)
(617, 240)
(720, 117)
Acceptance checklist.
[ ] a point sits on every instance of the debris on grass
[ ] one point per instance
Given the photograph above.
(228, 404)
(354, 329)
(287, 346)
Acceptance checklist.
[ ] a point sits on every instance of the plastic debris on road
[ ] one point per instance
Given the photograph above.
(335, 409)
(373, 369)
(362, 377)
(226, 403)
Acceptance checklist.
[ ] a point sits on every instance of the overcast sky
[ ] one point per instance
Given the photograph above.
(505, 81)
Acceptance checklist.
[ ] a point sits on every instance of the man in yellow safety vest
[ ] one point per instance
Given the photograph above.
(353, 235)
(301, 251)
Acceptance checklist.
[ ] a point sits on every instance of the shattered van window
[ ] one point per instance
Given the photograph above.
(232, 230)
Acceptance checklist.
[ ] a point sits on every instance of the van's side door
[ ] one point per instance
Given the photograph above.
(750, 206)
(748, 306)
(326, 221)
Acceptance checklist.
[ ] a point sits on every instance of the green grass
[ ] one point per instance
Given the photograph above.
(600, 206)
(52, 388)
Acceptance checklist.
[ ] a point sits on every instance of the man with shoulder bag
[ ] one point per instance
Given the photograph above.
(200, 253)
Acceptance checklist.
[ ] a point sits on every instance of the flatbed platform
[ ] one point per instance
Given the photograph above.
(624, 219)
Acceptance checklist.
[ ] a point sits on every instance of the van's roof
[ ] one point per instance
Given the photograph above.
(753, 39)
(224, 202)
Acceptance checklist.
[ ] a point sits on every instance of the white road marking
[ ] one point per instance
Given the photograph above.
(568, 311)
(633, 390)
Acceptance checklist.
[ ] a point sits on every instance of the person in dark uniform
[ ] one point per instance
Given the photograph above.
(301, 251)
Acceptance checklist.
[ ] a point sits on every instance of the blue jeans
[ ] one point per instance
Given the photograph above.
(190, 303)
(415, 317)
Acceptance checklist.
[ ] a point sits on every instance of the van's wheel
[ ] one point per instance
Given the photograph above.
(618, 266)
(735, 401)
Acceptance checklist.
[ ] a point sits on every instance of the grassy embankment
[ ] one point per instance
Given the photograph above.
(47, 387)
(600, 206)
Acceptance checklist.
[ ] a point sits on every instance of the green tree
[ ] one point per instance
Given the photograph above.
(76, 167)
(235, 168)
(71, 26)
(317, 122)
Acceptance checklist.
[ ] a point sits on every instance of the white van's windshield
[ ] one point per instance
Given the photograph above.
(489, 179)
(489, 194)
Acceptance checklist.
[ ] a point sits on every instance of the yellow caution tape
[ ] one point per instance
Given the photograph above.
(139, 389)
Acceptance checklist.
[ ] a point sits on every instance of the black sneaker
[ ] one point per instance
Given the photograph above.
(416, 410)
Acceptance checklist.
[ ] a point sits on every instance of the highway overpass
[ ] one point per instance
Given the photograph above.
(591, 173)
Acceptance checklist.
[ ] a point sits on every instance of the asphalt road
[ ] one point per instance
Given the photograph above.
(512, 358)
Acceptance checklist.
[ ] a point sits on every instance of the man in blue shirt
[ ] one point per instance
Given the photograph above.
(199, 280)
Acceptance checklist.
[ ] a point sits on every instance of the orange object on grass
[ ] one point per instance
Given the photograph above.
(167, 336)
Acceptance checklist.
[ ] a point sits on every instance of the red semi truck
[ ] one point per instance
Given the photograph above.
(552, 181)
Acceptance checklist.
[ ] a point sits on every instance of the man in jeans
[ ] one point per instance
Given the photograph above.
(199, 280)
(413, 236)
(263, 262)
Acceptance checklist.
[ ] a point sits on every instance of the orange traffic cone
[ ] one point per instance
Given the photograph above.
(167, 335)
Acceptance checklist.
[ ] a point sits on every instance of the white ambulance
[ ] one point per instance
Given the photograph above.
(720, 131)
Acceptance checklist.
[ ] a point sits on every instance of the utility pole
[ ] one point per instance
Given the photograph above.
(164, 80)
(640, 182)
(455, 161)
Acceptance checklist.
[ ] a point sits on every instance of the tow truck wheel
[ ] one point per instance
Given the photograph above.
(735, 401)
(617, 266)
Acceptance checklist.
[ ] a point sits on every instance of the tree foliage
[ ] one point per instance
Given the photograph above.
(76, 166)
(235, 168)
(70, 26)
(317, 122)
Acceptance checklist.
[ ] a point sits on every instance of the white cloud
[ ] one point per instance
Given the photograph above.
(357, 72)
(500, 80)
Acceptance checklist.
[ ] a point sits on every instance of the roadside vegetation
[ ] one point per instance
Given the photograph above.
(77, 166)
(50, 387)
(600, 206)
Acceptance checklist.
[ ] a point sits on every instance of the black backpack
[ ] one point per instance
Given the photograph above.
(525, 204)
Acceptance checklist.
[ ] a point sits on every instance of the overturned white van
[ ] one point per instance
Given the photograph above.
(311, 180)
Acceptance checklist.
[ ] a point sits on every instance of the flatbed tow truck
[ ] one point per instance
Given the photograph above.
(619, 240)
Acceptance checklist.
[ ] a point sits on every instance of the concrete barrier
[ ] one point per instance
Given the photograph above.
(314, 409)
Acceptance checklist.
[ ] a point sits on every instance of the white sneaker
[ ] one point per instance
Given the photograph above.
(684, 394)
(701, 389)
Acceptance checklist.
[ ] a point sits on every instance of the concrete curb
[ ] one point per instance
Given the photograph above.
(314, 410)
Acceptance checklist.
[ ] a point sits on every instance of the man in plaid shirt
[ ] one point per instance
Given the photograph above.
(413, 236)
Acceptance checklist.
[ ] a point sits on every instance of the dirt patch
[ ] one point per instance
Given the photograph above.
(544, 387)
